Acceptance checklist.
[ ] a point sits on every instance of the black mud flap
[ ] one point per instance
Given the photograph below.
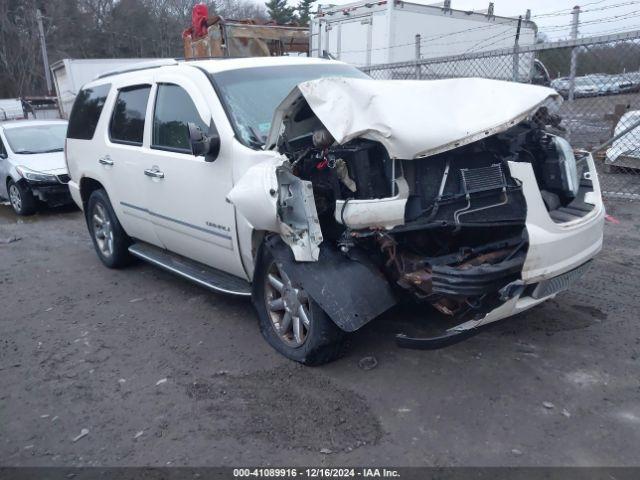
(352, 291)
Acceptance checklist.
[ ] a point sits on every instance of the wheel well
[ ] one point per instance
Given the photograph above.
(87, 187)
(20, 181)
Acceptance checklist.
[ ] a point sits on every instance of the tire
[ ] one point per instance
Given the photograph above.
(322, 340)
(21, 198)
(109, 238)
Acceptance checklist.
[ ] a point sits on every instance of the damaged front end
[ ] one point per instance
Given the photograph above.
(440, 219)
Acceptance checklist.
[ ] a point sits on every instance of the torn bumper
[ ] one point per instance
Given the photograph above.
(558, 254)
(53, 194)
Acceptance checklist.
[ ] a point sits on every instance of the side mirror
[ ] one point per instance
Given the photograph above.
(201, 144)
(3, 156)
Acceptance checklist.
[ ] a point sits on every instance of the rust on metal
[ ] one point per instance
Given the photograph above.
(246, 38)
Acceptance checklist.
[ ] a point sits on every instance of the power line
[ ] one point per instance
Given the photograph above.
(551, 28)
(558, 12)
(501, 34)
(607, 7)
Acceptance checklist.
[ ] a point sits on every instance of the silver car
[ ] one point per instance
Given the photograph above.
(32, 164)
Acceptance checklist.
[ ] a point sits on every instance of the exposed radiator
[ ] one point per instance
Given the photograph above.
(483, 179)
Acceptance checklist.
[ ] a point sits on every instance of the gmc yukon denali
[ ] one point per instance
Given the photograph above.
(329, 197)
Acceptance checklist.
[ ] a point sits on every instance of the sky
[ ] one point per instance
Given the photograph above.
(553, 17)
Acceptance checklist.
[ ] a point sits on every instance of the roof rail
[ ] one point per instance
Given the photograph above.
(165, 62)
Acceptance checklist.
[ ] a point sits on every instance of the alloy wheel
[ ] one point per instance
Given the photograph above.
(102, 230)
(15, 197)
(287, 306)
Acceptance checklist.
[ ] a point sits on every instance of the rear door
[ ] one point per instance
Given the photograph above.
(187, 195)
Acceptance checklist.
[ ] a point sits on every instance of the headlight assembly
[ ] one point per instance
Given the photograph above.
(568, 171)
(34, 176)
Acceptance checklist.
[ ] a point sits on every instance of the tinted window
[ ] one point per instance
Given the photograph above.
(86, 112)
(127, 121)
(2, 149)
(173, 111)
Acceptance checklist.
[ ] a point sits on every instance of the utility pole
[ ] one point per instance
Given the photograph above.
(43, 45)
(516, 51)
(417, 56)
(574, 51)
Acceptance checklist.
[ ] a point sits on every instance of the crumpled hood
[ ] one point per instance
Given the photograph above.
(414, 118)
(53, 163)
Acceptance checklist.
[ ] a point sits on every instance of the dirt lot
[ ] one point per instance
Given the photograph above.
(162, 372)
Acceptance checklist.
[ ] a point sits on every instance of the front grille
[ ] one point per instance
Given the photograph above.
(64, 178)
(561, 282)
(483, 179)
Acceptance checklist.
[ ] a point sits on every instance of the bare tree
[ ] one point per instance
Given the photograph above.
(96, 29)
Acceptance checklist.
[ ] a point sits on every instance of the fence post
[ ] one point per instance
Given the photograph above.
(574, 51)
(516, 48)
(418, 56)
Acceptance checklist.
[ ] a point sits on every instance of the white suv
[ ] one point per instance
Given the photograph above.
(329, 197)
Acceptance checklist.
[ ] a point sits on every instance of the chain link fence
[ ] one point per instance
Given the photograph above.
(598, 77)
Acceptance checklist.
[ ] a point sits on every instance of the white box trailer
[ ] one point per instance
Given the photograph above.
(70, 74)
(372, 33)
(11, 109)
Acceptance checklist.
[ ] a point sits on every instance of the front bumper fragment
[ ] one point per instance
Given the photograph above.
(53, 194)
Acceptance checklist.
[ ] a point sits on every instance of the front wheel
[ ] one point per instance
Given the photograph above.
(21, 198)
(290, 321)
(109, 238)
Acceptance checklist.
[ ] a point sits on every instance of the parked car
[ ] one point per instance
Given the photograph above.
(587, 86)
(32, 164)
(622, 83)
(561, 85)
(329, 197)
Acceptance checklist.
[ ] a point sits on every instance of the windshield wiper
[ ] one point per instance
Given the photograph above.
(26, 152)
(60, 149)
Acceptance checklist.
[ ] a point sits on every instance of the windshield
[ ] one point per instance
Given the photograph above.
(36, 138)
(252, 94)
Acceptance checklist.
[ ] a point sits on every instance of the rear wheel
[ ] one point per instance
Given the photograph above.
(290, 320)
(109, 238)
(21, 198)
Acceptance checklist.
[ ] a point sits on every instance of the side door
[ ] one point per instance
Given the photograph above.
(187, 194)
(124, 160)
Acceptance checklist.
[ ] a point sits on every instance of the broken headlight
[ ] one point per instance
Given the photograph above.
(561, 171)
(34, 176)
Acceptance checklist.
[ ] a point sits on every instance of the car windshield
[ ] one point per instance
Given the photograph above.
(251, 95)
(36, 138)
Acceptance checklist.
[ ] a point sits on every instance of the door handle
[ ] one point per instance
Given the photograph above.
(106, 160)
(154, 172)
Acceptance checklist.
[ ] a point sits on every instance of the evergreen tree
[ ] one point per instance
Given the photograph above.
(304, 12)
(280, 12)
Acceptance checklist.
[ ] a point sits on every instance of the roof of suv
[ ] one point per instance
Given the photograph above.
(213, 65)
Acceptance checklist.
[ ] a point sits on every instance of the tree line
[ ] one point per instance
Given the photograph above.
(610, 58)
(108, 29)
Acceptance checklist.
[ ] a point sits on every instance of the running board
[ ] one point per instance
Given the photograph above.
(203, 275)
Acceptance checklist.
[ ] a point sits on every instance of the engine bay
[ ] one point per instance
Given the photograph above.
(447, 229)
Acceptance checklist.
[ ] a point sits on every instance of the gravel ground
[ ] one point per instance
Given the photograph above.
(161, 372)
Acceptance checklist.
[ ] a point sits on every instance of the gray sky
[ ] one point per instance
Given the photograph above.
(599, 17)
